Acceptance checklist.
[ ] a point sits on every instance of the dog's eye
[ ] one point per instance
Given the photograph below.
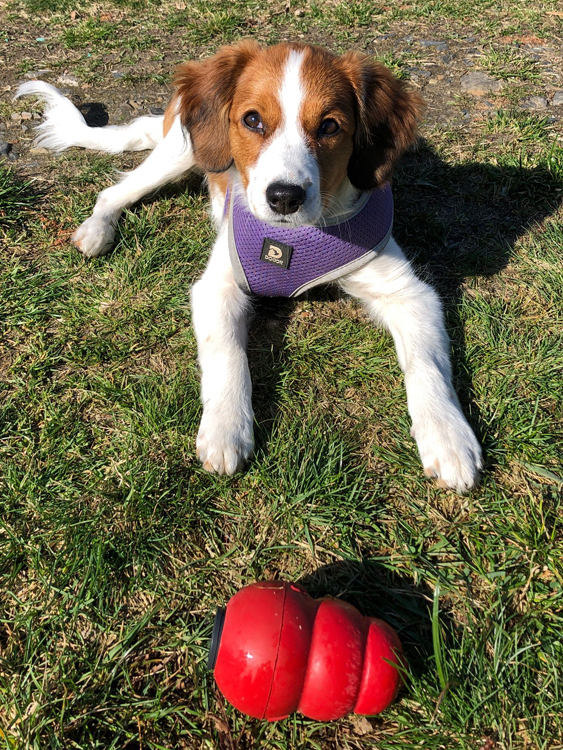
(329, 127)
(253, 121)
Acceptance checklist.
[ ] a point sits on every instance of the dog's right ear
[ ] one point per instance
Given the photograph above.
(204, 92)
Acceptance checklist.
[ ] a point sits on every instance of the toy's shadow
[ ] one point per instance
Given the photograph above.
(453, 222)
(378, 592)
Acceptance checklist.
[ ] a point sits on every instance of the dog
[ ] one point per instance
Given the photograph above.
(294, 141)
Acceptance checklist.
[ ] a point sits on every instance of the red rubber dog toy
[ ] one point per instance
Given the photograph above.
(275, 650)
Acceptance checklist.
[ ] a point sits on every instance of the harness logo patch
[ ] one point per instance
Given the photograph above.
(276, 252)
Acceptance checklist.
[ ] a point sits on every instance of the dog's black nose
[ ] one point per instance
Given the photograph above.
(284, 198)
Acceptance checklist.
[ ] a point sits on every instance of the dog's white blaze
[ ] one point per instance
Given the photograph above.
(287, 157)
(291, 99)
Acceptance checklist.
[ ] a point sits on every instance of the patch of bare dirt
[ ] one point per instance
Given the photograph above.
(114, 85)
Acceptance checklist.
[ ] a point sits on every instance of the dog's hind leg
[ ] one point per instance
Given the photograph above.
(171, 158)
(64, 126)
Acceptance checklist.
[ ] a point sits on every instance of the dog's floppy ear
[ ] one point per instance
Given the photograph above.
(204, 92)
(387, 114)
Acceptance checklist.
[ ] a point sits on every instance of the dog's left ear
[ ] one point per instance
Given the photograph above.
(204, 92)
(387, 114)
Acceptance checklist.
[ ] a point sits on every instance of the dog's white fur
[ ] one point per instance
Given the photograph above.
(388, 287)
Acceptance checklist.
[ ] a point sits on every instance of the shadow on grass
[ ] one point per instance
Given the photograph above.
(18, 197)
(462, 221)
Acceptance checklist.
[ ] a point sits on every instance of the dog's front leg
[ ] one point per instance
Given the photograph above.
(220, 312)
(412, 312)
(170, 159)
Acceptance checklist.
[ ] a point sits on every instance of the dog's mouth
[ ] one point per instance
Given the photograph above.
(307, 214)
(283, 222)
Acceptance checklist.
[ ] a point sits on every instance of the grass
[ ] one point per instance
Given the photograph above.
(116, 547)
(506, 64)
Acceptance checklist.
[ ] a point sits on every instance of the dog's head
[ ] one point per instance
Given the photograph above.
(299, 123)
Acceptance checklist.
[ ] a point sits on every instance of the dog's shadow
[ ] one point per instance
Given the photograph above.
(454, 222)
(94, 113)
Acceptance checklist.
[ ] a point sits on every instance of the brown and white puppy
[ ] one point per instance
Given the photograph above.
(301, 135)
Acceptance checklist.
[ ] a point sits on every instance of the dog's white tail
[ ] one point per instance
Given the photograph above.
(64, 125)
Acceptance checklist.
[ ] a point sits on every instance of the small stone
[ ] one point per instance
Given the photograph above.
(418, 73)
(36, 116)
(479, 84)
(67, 80)
(37, 73)
(431, 43)
(26, 115)
(39, 150)
(557, 100)
(13, 155)
(117, 74)
(299, 13)
(534, 102)
(16, 116)
(156, 110)
(5, 148)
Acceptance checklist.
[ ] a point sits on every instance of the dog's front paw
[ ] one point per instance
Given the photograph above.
(223, 443)
(449, 450)
(94, 237)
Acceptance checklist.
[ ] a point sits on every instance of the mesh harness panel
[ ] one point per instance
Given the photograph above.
(273, 261)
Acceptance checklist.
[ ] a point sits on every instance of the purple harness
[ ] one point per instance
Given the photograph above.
(273, 261)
